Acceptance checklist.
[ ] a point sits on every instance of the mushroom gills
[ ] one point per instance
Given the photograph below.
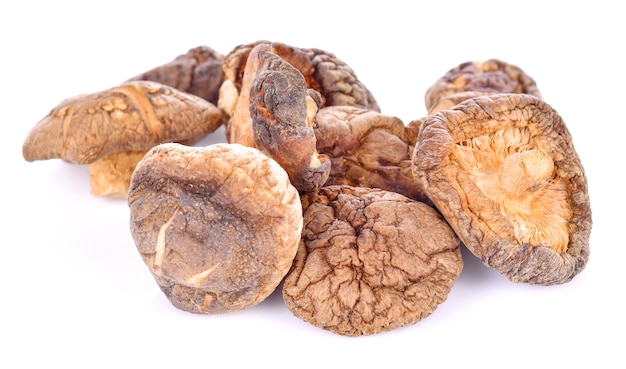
(521, 181)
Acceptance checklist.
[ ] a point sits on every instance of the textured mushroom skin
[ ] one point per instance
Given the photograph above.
(336, 82)
(486, 77)
(369, 261)
(133, 116)
(198, 72)
(111, 130)
(367, 149)
(538, 235)
(282, 112)
(217, 226)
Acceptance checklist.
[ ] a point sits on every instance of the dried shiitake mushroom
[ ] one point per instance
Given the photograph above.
(111, 130)
(367, 149)
(282, 111)
(481, 77)
(198, 72)
(323, 72)
(218, 226)
(290, 85)
(369, 261)
(275, 113)
(503, 171)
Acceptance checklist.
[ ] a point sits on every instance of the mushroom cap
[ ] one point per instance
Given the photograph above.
(367, 149)
(198, 72)
(218, 226)
(489, 76)
(323, 72)
(282, 113)
(463, 158)
(370, 261)
(134, 116)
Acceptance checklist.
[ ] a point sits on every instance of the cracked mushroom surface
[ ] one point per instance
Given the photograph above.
(503, 171)
(478, 77)
(369, 261)
(199, 72)
(217, 226)
(111, 130)
(367, 149)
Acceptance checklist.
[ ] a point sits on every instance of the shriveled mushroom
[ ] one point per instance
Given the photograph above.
(198, 72)
(367, 149)
(111, 130)
(323, 72)
(301, 80)
(370, 261)
(217, 226)
(479, 77)
(503, 171)
(275, 114)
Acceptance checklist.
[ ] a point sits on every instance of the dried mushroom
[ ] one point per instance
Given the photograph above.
(218, 226)
(370, 261)
(198, 72)
(367, 149)
(290, 85)
(482, 77)
(275, 113)
(503, 171)
(111, 130)
(323, 72)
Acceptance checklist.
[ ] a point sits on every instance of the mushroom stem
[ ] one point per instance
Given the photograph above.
(110, 175)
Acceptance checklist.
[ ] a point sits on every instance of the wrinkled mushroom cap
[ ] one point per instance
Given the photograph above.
(323, 72)
(486, 77)
(503, 171)
(119, 125)
(198, 72)
(217, 226)
(370, 261)
(275, 113)
(367, 149)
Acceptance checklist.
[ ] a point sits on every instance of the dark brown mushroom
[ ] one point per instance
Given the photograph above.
(217, 226)
(503, 171)
(198, 72)
(275, 114)
(111, 130)
(332, 78)
(367, 149)
(370, 261)
(482, 77)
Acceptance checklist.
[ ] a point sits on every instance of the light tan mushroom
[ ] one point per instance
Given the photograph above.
(111, 130)
(503, 171)
(218, 226)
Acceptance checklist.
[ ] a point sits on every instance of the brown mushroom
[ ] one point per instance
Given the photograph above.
(275, 113)
(367, 149)
(289, 85)
(323, 72)
(111, 130)
(370, 261)
(217, 226)
(481, 77)
(198, 72)
(503, 171)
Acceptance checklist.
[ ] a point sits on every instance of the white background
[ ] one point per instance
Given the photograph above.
(76, 293)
